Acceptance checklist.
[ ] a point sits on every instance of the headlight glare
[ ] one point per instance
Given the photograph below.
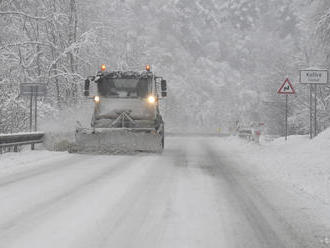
(96, 99)
(151, 99)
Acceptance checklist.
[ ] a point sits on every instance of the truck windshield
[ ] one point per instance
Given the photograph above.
(123, 87)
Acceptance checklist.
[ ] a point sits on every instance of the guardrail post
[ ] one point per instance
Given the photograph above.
(15, 148)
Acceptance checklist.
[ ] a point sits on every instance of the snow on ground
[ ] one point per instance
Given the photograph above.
(201, 192)
(299, 162)
(20, 133)
(11, 163)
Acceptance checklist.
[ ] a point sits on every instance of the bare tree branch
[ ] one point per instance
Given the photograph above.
(43, 18)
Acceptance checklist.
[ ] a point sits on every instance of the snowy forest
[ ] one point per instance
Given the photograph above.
(223, 59)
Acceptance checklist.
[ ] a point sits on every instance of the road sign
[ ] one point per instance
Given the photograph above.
(286, 88)
(314, 76)
(33, 90)
(28, 89)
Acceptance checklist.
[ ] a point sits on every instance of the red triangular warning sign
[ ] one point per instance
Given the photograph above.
(286, 88)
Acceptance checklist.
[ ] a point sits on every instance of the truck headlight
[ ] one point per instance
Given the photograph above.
(96, 99)
(151, 99)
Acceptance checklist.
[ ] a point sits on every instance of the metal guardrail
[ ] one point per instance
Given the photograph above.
(18, 139)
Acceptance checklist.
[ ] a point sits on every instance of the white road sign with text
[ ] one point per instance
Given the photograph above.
(314, 76)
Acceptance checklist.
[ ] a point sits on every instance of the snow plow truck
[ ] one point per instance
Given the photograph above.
(126, 115)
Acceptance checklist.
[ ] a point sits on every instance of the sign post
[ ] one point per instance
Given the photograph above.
(33, 90)
(286, 89)
(286, 116)
(31, 101)
(313, 77)
(315, 111)
(35, 107)
(310, 111)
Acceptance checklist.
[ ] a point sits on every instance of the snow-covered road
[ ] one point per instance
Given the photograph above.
(193, 195)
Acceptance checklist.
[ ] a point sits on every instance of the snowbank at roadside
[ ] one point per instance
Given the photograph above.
(11, 163)
(299, 162)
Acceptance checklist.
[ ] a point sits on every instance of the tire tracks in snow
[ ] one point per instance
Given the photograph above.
(268, 226)
(141, 211)
(46, 206)
(47, 167)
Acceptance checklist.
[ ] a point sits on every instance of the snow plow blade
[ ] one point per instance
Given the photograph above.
(116, 140)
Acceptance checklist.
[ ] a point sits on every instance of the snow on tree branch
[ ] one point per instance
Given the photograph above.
(44, 18)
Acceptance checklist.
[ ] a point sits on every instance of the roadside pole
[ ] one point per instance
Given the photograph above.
(286, 89)
(286, 117)
(313, 77)
(315, 111)
(33, 90)
(310, 112)
(35, 108)
(31, 98)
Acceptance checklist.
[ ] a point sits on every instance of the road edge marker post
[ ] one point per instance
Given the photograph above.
(286, 89)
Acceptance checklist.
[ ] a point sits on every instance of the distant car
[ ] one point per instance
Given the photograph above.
(250, 134)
